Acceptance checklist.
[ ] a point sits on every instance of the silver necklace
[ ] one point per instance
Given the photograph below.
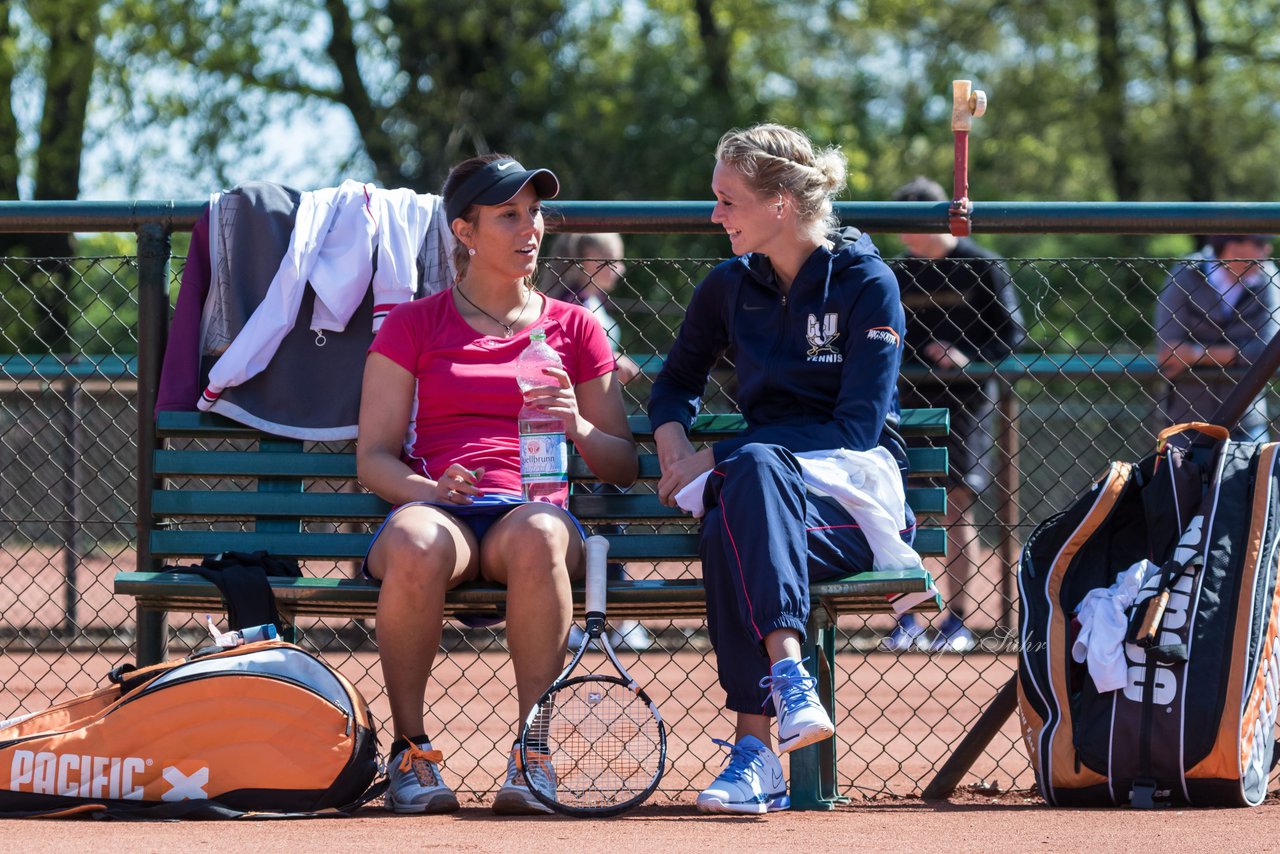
(507, 327)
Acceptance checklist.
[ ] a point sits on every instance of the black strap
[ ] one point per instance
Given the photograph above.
(241, 578)
(270, 565)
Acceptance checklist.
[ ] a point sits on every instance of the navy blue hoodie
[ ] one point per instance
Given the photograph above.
(817, 368)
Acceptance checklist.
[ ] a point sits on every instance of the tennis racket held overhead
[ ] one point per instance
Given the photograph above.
(593, 745)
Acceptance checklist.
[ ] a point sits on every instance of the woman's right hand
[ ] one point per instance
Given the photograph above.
(458, 485)
(679, 462)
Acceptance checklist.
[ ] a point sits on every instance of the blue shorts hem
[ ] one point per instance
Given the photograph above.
(478, 516)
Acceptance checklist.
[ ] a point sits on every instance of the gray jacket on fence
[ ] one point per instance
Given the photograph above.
(1190, 310)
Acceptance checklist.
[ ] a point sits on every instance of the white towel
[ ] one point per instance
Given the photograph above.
(867, 484)
(1103, 624)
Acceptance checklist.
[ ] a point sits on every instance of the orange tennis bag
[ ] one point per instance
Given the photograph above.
(260, 728)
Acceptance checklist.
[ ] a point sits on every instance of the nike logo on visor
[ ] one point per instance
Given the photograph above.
(510, 164)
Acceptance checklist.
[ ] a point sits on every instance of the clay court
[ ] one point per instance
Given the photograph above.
(901, 714)
(1012, 823)
(888, 744)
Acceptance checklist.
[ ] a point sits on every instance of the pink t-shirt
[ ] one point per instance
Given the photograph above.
(465, 396)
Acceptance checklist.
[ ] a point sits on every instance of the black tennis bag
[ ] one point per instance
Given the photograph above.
(1194, 722)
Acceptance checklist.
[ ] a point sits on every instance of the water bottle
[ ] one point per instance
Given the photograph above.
(544, 453)
(253, 634)
(238, 637)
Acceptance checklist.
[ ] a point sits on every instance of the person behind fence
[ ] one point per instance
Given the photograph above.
(961, 308)
(585, 268)
(438, 439)
(1217, 311)
(813, 317)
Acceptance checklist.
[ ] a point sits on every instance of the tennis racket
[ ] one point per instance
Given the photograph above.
(600, 738)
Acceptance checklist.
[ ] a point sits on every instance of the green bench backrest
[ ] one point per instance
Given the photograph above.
(282, 506)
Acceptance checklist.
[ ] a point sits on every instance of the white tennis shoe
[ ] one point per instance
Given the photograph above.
(514, 798)
(750, 784)
(415, 784)
(802, 719)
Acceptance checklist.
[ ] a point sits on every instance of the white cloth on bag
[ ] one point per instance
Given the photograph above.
(1103, 624)
(867, 484)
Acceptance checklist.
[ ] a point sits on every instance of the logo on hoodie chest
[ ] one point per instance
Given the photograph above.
(821, 338)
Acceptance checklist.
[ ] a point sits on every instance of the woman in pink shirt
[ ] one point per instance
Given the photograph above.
(444, 367)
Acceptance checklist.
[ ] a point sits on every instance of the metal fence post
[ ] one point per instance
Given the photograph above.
(153, 326)
(72, 504)
(1008, 512)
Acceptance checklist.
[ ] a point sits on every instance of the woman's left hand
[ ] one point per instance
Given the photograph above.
(559, 401)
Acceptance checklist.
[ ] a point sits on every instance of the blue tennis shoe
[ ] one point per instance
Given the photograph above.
(750, 784)
(802, 719)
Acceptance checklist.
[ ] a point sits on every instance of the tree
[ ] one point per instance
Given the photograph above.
(70, 30)
(1091, 99)
(9, 168)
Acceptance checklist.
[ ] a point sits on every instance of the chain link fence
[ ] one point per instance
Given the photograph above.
(1079, 388)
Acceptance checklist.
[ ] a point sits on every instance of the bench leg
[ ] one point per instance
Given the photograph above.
(813, 768)
(152, 641)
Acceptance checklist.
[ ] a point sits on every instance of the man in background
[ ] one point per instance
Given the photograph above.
(1216, 312)
(961, 307)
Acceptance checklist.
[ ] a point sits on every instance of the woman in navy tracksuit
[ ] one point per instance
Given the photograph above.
(813, 322)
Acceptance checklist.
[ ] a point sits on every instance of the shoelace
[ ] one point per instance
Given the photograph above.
(739, 761)
(793, 689)
(541, 763)
(420, 762)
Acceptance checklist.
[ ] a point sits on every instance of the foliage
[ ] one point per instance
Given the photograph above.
(1097, 100)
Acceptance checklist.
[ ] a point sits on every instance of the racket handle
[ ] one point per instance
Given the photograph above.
(1151, 621)
(597, 566)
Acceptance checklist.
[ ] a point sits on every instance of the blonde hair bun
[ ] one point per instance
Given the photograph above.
(774, 158)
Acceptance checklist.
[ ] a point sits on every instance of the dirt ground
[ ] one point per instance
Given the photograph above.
(901, 715)
(961, 825)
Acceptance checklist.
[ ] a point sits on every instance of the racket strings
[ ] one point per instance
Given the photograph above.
(603, 741)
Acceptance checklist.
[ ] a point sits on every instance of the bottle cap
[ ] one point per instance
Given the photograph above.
(267, 631)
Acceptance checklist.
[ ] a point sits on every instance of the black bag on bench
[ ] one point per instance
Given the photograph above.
(241, 578)
(1194, 722)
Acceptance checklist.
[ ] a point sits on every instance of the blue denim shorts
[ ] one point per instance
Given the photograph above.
(479, 516)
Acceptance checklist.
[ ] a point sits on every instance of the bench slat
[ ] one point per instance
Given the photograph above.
(670, 599)
(915, 422)
(630, 546)
(253, 464)
(177, 503)
(924, 500)
(246, 505)
(924, 462)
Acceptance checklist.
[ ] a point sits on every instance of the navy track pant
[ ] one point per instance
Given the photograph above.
(764, 539)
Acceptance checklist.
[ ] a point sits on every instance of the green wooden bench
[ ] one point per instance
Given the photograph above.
(295, 490)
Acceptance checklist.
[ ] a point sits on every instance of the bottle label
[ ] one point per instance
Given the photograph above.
(544, 456)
